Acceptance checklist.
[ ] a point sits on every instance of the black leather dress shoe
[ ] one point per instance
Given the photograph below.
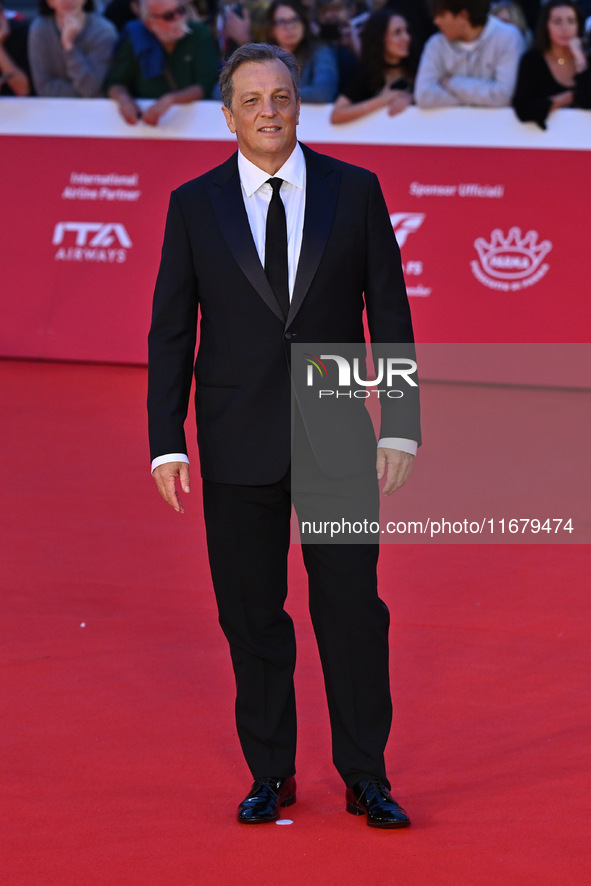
(265, 798)
(370, 796)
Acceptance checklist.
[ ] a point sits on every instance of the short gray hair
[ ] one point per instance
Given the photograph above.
(257, 52)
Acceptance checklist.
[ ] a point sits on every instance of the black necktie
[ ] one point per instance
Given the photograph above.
(276, 247)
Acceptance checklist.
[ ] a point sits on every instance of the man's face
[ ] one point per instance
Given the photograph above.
(264, 113)
(453, 27)
(166, 19)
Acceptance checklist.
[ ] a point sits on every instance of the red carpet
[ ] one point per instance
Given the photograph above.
(117, 735)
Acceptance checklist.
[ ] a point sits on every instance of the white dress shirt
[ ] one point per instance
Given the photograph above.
(257, 196)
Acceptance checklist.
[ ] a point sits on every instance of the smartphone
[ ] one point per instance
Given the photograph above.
(400, 83)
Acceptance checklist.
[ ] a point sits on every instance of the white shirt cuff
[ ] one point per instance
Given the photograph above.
(400, 443)
(173, 456)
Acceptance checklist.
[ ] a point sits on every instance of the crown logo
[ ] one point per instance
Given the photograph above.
(512, 257)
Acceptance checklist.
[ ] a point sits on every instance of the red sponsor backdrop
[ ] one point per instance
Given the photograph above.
(80, 257)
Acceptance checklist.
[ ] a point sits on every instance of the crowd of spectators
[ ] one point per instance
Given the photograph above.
(359, 55)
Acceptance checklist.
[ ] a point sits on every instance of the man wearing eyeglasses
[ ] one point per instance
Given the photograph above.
(164, 56)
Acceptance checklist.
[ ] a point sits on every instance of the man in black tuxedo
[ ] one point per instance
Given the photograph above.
(340, 253)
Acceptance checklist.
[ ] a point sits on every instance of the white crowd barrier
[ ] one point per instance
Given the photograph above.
(491, 216)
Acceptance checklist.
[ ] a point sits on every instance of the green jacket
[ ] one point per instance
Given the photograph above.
(192, 62)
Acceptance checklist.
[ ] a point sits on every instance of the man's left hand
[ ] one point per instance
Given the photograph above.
(396, 466)
(152, 115)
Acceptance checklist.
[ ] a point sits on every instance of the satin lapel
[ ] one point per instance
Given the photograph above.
(322, 190)
(228, 206)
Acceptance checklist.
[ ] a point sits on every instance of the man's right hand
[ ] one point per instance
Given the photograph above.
(152, 115)
(165, 476)
(129, 110)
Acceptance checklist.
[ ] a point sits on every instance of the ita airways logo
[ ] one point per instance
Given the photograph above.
(405, 223)
(104, 242)
(511, 262)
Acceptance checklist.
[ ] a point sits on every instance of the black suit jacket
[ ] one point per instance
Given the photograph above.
(349, 259)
